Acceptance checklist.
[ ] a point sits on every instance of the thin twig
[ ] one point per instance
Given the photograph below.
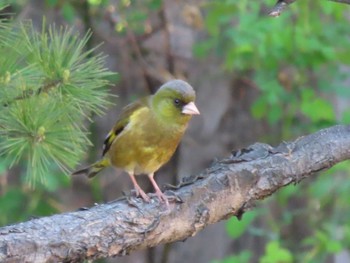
(281, 5)
(28, 93)
(341, 1)
(167, 41)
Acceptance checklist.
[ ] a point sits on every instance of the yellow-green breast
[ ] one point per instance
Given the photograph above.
(146, 143)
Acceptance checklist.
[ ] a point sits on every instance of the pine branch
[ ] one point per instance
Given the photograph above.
(50, 83)
(228, 188)
(29, 92)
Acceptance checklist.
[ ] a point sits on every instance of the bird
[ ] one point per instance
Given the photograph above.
(147, 133)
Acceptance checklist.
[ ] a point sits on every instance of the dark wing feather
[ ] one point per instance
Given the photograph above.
(122, 122)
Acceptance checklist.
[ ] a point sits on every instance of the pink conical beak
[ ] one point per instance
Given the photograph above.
(190, 109)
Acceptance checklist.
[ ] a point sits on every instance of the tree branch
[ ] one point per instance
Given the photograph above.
(229, 187)
(341, 1)
(28, 93)
(281, 5)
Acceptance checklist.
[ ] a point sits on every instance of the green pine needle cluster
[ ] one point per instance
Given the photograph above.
(49, 84)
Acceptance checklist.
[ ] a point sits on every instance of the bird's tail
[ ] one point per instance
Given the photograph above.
(93, 169)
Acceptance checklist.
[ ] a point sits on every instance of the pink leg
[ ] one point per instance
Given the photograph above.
(162, 197)
(138, 189)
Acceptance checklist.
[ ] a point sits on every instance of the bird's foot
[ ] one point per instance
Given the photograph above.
(174, 197)
(162, 197)
(140, 192)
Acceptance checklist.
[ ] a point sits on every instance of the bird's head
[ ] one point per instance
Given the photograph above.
(174, 102)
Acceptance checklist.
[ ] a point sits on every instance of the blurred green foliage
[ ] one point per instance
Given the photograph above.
(294, 57)
(274, 253)
(242, 257)
(294, 61)
(235, 228)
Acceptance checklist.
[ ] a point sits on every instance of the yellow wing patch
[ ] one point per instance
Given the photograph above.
(127, 118)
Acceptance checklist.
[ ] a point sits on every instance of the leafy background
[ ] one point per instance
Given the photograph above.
(257, 79)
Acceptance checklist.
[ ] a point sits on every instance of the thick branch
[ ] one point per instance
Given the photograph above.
(227, 188)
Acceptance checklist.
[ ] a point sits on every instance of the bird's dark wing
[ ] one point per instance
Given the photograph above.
(122, 122)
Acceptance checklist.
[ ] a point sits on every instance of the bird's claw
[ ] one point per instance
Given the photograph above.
(162, 198)
(174, 197)
(139, 192)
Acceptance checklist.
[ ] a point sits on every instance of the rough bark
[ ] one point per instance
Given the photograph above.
(228, 188)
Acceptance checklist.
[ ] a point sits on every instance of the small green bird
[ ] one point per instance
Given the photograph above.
(147, 134)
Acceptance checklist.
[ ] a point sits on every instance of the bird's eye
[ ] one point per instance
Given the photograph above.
(176, 102)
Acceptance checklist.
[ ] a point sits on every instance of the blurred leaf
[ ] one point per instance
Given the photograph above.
(94, 2)
(44, 208)
(236, 228)
(52, 2)
(323, 242)
(12, 204)
(259, 108)
(54, 181)
(220, 12)
(68, 12)
(243, 257)
(4, 164)
(285, 194)
(274, 253)
(321, 188)
(346, 235)
(202, 49)
(155, 4)
(274, 114)
(346, 117)
(334, 246)
(317, 109)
